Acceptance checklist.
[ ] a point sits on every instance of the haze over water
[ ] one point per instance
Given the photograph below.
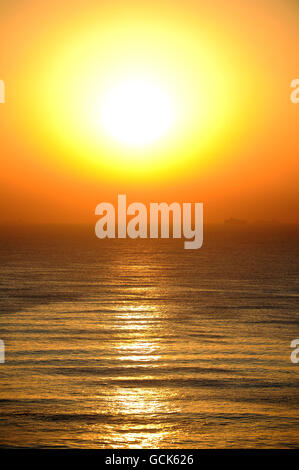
(142, 344)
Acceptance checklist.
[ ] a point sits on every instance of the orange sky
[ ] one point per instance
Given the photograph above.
(227, 67)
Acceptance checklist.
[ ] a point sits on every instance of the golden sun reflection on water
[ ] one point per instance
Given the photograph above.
(138, 405)
(138, 346)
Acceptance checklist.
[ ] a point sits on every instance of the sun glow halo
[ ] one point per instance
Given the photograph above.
(116, 101)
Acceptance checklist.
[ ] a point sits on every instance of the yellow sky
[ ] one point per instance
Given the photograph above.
(159, 100)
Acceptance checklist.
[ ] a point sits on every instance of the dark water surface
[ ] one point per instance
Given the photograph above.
(130, 344)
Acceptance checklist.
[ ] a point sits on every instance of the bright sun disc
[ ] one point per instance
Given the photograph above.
(137, 112)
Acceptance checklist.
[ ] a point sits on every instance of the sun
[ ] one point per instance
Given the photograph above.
(114, 101)
(136, 112)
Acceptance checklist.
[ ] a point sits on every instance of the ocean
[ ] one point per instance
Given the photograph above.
(142, 344)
